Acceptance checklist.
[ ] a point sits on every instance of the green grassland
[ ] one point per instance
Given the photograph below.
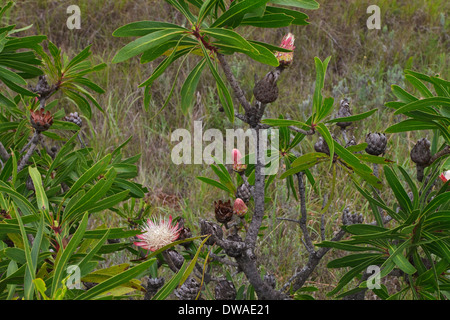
(364, 64)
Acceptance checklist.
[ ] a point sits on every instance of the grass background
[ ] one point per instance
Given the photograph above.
(414, 34)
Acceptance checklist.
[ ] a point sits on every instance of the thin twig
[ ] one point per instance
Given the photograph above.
(305, 132)
(34, 142)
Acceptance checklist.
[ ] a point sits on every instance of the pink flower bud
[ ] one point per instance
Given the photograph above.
(237, 164)
(239, 207)
(445, 176)
(285, 58)
(236, 154)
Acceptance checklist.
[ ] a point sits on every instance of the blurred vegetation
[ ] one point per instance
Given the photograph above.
(365, 63)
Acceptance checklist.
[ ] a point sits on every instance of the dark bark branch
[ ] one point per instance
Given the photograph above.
(304, 217)
(33, 144)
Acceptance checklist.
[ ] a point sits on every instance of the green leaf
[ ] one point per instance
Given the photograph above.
(304, 4)
(89, 175)
(142, 28)
(271, 20)
(411, 125)
(355, 117)
(145, 43)
(323, 130)
(352, 260)
(215, 184)
(190, 85)
(11, 76)
(230, 37)
(299, 17)
(227, 101)
(423, 103)
(60, 264)
(237, 11)
(175, 55)
(400, 194)
(117, 280)
(205, 9)
(284, 123)
(167, 289)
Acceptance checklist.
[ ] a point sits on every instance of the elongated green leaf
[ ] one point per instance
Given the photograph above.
(60, 265)
(299, 17)
(142, 28)
(145, 43)
(41, 197)
(231, 37)
(423, 103)
(323, 130)
(11, 76)
(214, 183)
(237, 11)
(400, 193)
(205, 9)
(89, 175)
(227, 102)
(356, 117)
(304, 4)
(190, 85)
(171, 284)
(271, 20)
(352, 260)
(283, 123)
(117, 280)
(411, 125)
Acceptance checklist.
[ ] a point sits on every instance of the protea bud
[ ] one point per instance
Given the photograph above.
(238, 166)
(41, 121)
(176, 258)
(421, 152)
(421, 156)
(286, 58)
(225, 290)
(74, 118)
(223, 211)
(344, 111)
(376, 143)
(321, 146)
(209, 228)
(243, 192)
(189, 290)
(240, 208)
(266, 90)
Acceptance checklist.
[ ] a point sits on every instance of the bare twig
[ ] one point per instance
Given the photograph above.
(305, 132)
(33, 144)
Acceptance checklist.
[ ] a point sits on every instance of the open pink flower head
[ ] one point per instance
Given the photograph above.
(239, 207)
(156, 235)
(285, 58)
(445, 176)
(237, 164)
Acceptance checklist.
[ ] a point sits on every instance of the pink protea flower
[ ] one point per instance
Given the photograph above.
(285, 58)
(156, 235)
(237, 164)
(445, 176)
(239, 207)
